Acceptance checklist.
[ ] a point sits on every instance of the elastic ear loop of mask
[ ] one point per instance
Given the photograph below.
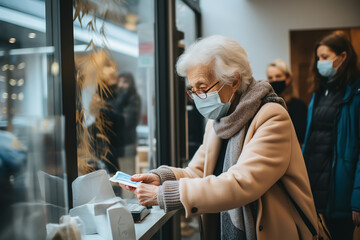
(231, 95)
(342, 61)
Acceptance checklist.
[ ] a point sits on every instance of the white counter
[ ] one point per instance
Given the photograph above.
(148, 227)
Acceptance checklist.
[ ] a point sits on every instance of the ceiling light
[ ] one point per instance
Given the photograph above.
(12, 40)
(13, 96)
(119, 39)
(20, 82)
(5, 67)
(11, 67)
(32, 35)
(21, 96)
(5, 95)
(21, 65)
(12, 82)
(55, 68)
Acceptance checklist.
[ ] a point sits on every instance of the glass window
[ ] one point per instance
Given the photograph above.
(116, 96)
(32, 165)
(186, 23)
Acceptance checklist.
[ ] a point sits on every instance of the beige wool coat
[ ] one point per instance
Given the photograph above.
(271, 153)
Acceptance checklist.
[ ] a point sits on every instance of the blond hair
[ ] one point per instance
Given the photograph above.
(281, 64)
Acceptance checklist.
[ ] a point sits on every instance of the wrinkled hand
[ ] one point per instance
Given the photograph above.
(146, 194)
(148, 178)
(356, 218)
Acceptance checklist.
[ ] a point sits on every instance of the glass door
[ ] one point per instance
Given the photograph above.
(187, 22)
(114, 58)
(32, 127)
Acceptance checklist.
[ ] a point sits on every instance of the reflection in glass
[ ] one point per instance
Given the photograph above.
(116, 96)
(32, 156)
(185, 22)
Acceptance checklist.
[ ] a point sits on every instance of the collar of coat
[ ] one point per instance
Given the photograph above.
(257, 94)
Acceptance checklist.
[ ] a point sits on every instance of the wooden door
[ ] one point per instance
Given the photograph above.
(302, 44)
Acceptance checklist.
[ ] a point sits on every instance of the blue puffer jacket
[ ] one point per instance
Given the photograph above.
(344, 189)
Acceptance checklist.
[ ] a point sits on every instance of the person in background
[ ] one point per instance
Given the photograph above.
(250, 162)
(108, 120)
(280, 78)
(128, 107)
(331, 147)
(122, 114)
(13, 158)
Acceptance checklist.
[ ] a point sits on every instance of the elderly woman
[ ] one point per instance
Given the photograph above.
(244, 176)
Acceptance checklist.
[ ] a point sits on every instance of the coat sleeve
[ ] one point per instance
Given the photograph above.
(262, 163)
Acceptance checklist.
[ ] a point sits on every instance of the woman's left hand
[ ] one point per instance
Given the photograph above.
(356, 218)
(146, 194)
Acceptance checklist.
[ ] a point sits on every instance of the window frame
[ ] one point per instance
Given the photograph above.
(59, 33)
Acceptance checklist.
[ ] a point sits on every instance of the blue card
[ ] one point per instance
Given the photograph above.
(123, 178)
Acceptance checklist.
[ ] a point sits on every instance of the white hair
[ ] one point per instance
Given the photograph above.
(223, 55)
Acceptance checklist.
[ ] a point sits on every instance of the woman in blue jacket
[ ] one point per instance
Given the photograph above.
(332, 142)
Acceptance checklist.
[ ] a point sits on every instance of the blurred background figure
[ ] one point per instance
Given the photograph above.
(280, 77)
(108, 123)
(121, 114)
(128, 107)
(12, 166)
(332, 143)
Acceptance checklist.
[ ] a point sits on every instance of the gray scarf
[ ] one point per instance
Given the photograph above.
(240, 223)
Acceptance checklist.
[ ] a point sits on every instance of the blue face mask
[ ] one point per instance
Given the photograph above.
(326, 68)
(211, 107)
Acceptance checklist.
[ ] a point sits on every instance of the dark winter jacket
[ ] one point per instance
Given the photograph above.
(344, 182)
(298, 110)
(126, 108)
(319, 153)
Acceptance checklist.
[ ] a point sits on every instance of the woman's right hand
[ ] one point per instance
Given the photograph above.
(149, 178)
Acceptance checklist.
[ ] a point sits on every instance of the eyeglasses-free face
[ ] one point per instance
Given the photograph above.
(200, 93)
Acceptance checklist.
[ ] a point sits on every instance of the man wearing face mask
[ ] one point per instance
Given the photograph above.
(332, 143)
(249, 165)
(280, 78)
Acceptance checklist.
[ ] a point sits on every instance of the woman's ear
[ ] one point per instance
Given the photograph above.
(288, 80)
(338, 62)
(344, 55)
(237, 81)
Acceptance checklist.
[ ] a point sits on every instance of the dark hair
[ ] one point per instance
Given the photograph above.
(130, 78)
(346, 73)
